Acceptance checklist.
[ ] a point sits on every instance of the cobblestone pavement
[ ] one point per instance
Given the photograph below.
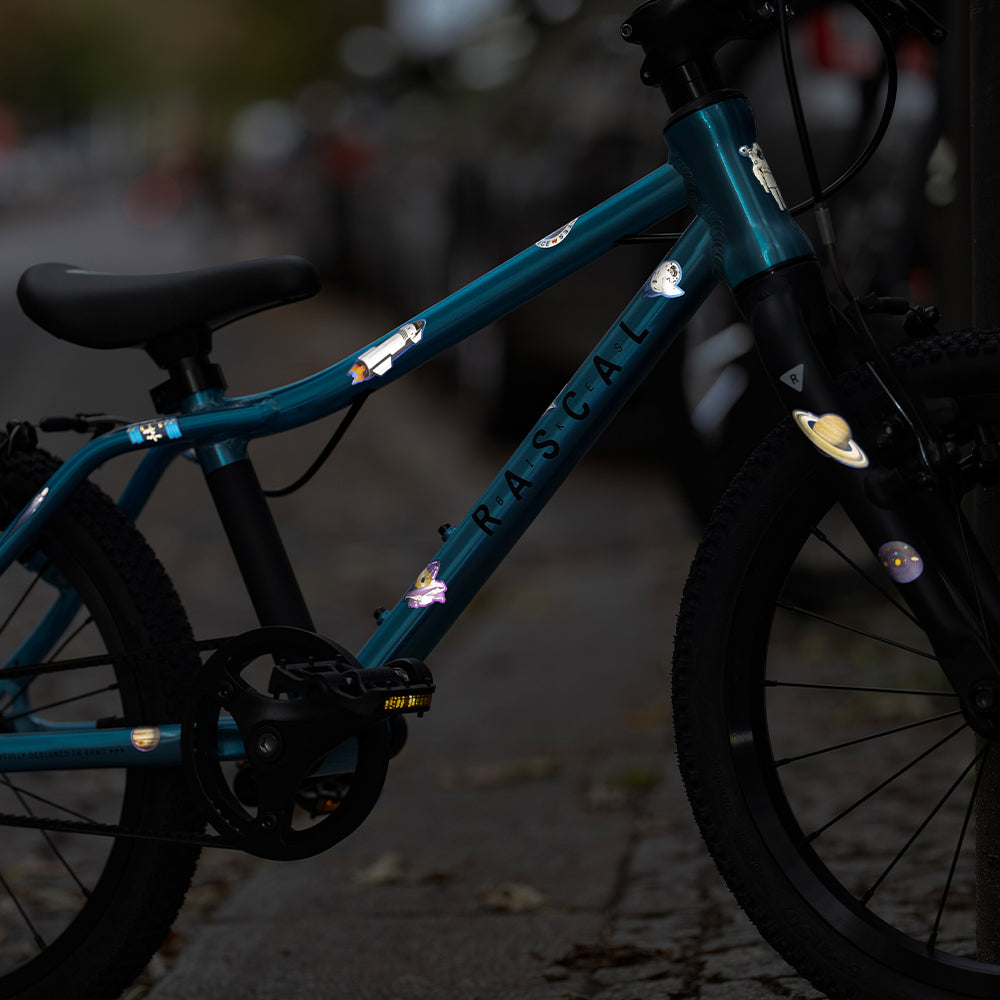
(533, 840)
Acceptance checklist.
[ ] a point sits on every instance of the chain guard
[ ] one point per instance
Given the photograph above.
(285, 739)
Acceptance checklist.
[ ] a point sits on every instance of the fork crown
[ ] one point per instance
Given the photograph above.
(751, 230)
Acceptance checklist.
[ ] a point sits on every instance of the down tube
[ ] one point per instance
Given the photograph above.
(566, 430)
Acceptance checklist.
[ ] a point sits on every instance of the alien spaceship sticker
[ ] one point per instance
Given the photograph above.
(378, 360)
(664, 282)
(427, 589)
(901, 561)
(554, 239)
(831, 434)
(763, 172)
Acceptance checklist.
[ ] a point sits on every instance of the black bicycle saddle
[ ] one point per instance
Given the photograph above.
(94, 309)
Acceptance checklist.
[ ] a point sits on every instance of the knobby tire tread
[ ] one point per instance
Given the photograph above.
(151, 878)
(825, 960)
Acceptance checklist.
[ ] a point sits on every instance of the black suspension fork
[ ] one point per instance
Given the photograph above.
(787, 308)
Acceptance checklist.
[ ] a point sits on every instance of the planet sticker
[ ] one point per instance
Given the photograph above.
(901, 561)
(831, 434)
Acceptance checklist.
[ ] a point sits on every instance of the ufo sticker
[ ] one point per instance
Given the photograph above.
(378, 360)
(428, 588)
(831, 434)
(901, 561)
(664, 282)
(554, 239)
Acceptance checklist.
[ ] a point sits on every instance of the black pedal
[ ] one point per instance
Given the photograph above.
(404, 685)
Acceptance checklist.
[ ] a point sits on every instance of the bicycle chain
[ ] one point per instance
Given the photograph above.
(109, 829)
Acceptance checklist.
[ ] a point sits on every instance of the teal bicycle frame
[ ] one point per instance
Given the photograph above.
(741, 230)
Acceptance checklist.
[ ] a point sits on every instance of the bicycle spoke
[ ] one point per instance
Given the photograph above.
(859, 689)
(35, 709)
(981, 756)
(19, 790)
(884, 640)
(20, 603)
(782, 762)
(884, 784)
(46, 836)
(866, 898)
(55, 656)
(864, 574)
(28, 922)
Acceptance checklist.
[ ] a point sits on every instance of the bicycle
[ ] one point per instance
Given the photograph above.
(281, 738)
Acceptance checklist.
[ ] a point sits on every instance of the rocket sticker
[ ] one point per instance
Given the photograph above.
(378, 360)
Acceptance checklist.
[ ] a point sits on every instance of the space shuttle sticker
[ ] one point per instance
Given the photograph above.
(378, 360)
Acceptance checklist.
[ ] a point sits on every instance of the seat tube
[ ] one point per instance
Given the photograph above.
(260, 553)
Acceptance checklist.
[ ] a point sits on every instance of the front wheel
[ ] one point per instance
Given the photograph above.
(80, 914)
(829, 767)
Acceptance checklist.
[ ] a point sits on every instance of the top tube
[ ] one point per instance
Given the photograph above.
(220, 419)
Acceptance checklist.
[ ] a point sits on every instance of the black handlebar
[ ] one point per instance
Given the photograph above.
(681, 37)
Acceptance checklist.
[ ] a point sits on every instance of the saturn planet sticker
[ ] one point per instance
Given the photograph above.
(831, 434)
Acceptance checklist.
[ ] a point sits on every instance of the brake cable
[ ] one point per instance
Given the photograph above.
(878, 365)
(320, 459)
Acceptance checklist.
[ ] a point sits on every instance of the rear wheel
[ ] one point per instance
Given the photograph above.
(80, 915)
(827, 761)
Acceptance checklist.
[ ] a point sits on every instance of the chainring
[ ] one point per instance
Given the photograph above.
(284, 741)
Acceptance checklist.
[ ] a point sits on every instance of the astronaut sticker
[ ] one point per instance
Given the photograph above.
(554, 239)
(428, 588)
(664, 282)
(378, 360)
(763, 172)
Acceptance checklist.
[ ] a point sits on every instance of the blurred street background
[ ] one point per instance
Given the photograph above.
(406, 146)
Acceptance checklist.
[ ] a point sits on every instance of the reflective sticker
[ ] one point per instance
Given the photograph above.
(664, 282)
(831, 434)
(427, 589)
(763, 172)
(154, 431)
(146, 738)
(378, 360)
(554, 239)
(902, 561)
(793, 377)
(29, 511)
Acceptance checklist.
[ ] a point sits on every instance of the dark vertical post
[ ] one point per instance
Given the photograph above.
(984, 176)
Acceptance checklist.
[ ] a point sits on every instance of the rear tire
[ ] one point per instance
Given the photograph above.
(80, 915)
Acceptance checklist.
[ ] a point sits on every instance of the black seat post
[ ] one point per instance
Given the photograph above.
(235, 490)
(260, 553)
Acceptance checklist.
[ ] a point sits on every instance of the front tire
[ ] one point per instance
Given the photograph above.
(824, 754)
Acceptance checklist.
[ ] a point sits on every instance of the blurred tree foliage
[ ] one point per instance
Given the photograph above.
(60, 57)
